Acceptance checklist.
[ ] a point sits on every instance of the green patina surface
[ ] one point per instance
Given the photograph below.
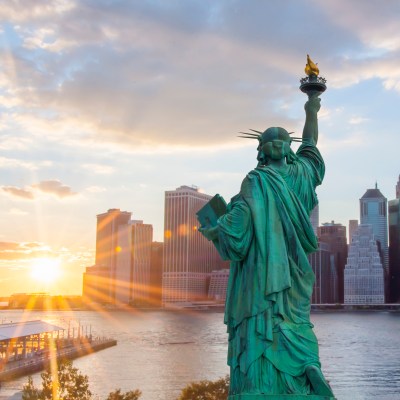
(266, 234)
(278, 397)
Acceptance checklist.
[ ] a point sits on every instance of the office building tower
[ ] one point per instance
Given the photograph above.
(189, 257)
(121, 274)
(398, 189)
(335, 236)
(373, 206)
(364, 274)
(155, 291)
(141, 246)
(325, 289)
(314, 218)
(353, 225)
(111, 237)
(394, 250)
(218, 285)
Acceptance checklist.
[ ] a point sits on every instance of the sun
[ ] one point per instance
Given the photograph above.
(45, 270)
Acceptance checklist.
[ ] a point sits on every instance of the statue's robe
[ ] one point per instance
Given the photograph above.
(267, 234)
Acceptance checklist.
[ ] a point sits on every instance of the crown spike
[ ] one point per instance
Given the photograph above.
(248, 137)
(250, 134)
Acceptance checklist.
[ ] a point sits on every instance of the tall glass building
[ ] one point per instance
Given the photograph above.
(373, 211)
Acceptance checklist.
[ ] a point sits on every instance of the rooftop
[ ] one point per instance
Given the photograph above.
(373, 194)
(27, 328)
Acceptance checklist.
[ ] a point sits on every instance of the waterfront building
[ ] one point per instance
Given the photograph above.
(394, 247)
(218, 285)
(335, 236)
(364, 274)
(314, 218)
(189, 257)
(141, 245)
(155, 290)
(121, 274)
(353, 225)
(325, 285)
(373, 206)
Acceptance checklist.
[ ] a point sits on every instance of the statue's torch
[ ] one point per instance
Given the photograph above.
(312, 84)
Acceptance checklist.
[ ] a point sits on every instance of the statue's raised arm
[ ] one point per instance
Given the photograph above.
(310, 131)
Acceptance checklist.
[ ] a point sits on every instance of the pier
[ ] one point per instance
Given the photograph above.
(29, 347)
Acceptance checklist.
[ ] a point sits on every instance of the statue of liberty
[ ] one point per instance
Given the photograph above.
(267, 234)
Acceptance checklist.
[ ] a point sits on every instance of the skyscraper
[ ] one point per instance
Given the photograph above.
(122, 271)
(157, 249)
(112, 238)
(141, 250)
(314, 218)
(188, 257)
(363, 274)
(394, 247)
(353, 225)
(325, 289)
(373, 206)
(335, 236)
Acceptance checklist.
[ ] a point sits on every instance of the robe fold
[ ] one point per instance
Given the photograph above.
(267, 234)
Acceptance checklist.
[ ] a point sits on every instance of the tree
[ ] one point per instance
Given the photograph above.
(206, 390)
(68, 384)
(29, 392)
(131, 395)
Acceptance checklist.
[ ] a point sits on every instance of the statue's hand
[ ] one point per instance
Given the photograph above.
(313, 105)
(209, 233)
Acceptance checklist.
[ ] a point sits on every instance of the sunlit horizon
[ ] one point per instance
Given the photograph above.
(144, 99)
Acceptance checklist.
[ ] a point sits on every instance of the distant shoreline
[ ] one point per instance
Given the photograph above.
(220, 308)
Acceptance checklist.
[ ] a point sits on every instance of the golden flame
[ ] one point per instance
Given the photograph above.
(311, 68)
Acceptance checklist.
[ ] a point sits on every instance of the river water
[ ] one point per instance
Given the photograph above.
(159, 352)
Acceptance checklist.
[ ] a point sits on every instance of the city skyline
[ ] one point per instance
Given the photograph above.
(108, 105)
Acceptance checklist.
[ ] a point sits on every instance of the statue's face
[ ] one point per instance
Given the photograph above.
(261, 157)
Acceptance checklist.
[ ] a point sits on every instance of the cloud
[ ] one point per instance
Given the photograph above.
(18, 192)
(23, 250)
(14, 163)
(54, 187)
(139, 74)
(158, 88)
(356, 120)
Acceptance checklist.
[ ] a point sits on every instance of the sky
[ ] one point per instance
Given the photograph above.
(108, 104)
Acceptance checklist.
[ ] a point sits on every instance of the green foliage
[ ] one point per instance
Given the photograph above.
(70, 385)
(206, 390)
(131, 395)
(29, 392)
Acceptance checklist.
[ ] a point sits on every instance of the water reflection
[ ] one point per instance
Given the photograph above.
(160, 352)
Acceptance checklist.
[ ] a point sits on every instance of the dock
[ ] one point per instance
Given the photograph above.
(29, 347)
